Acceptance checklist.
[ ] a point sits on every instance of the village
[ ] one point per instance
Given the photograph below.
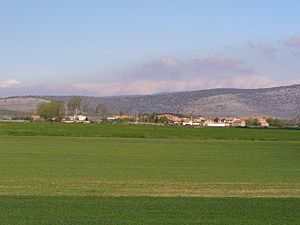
(77, 111)
(167, 119)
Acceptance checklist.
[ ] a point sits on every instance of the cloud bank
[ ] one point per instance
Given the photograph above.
(168, 74)
(151, 86)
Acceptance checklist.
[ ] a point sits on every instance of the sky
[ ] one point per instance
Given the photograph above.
(104, 48)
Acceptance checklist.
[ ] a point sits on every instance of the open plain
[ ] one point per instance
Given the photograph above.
(54, 173)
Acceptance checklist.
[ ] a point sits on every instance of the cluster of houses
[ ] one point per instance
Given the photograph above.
(196, 121)
(214, 122)
(170, 119)
(76, 119)
(68, 119)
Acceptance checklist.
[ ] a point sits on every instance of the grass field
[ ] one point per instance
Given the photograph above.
(112, 174)
(144, 210)
(148, 132)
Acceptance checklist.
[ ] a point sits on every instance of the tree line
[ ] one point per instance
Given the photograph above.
(58, 110)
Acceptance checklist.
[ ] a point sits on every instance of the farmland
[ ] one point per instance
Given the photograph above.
(114, 174)
(146, 132)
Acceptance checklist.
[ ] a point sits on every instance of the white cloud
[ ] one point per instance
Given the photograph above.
(9, 83)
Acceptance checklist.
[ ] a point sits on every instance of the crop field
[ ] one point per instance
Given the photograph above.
(129, 174)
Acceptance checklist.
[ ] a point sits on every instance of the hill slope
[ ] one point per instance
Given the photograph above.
(283, 102)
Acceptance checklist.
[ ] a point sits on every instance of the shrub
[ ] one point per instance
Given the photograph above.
(275, 122)
(253, 122)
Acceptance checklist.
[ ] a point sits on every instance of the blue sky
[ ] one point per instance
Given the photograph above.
(140, 47)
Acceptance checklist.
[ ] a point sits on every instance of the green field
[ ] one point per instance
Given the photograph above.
(114, 174)
(148, 132)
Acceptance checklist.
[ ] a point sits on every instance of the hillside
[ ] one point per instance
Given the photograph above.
(19, 105)
(283, 102)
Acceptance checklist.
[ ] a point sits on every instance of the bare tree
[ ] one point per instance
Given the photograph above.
(85, 106)
(101, 111)
(74, 104)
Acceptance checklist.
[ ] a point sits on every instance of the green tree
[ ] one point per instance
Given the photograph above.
(253, 122)
(275, 122)
(50, 110)
(74, 105)
(153, 118)
(163, 120)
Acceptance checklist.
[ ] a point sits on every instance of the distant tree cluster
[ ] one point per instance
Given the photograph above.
(57, 110)
(149, 118)
(54, 109)
(253, 122)
(275, 122)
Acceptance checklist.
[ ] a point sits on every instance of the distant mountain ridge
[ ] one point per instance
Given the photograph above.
(282, 102)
